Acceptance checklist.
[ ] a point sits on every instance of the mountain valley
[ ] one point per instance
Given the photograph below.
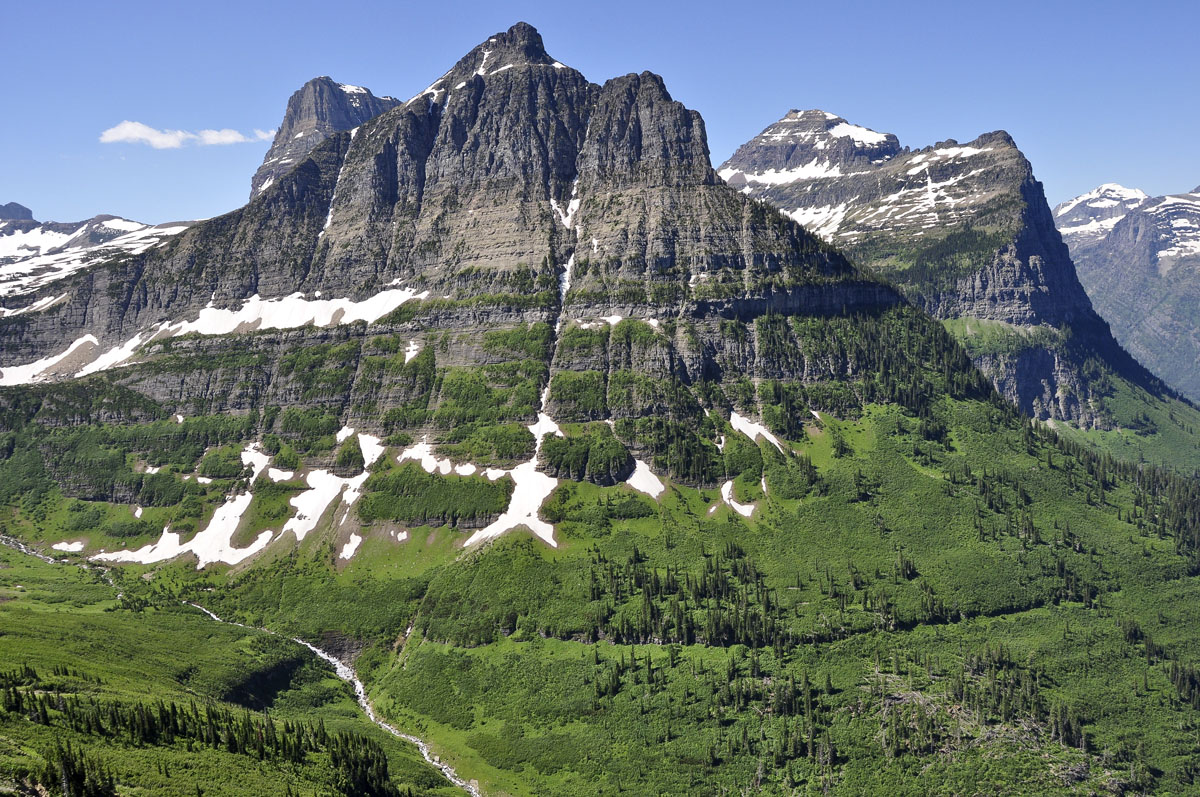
(602, 470)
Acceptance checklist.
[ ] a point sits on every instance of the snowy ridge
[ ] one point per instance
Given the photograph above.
(1090, 217)
(1105, 196)
(32, 260)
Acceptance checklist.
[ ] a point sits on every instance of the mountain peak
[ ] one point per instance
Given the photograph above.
(317, 110)
(1089, 217)
(805, 145)
(519, 46)
(1196, 190)
(14, 211)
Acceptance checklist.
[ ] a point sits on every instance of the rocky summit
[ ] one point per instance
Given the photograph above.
(1139, 258)
(320, 108)
(14, 212)
(966, 232)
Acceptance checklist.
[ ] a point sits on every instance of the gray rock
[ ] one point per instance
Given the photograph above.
(15, 212)
(963, 229)
(320, 108)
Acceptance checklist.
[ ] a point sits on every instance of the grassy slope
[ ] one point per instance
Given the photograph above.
(959, 592)
(1147, 428)
(521, 712)
(60, 616)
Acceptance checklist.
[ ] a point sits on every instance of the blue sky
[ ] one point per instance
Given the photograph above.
(1092, 91)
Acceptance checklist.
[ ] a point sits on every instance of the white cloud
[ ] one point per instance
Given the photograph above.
(137, 133)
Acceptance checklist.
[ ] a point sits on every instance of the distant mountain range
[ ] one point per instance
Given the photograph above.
(1139, 258)
(34, 254)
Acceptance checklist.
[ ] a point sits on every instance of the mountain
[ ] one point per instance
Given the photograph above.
(586, 468)
(14, 212)
(966, 232)
(34, 254)
(320, 108)
(483, 191)
(1090, 217)
(1139, 258)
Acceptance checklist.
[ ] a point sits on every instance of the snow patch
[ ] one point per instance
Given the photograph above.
(323, 488)
(45, 303)
(35, 371)
(69, 547)
(214, 543)
(753, 430)
(745, 510)
(860, 135)
(565, 216)
(350, 547)
(644, 480)
(255, 313)
(823, 221)
(531, 489)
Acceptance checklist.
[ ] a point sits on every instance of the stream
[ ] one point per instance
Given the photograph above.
(345, 672)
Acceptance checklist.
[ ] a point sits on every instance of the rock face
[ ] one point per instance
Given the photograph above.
(13, 211)
(964, 230)
(320, 108)
(1139, 258)
(512, 191)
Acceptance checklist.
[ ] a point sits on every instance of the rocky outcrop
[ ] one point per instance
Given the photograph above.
(15, 212)
(1139, 258)
(964, 230)
(320, 108)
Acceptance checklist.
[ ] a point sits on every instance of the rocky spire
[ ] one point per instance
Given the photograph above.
(320, 108)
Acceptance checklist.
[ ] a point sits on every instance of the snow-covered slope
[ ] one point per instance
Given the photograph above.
(1089, 217)
(35, 254)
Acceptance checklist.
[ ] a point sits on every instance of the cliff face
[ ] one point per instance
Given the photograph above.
(511, 192)
(1139, 258)
(965, 231)
(320, 108)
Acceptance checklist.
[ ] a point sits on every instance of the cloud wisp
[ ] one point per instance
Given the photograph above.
(137, 133)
